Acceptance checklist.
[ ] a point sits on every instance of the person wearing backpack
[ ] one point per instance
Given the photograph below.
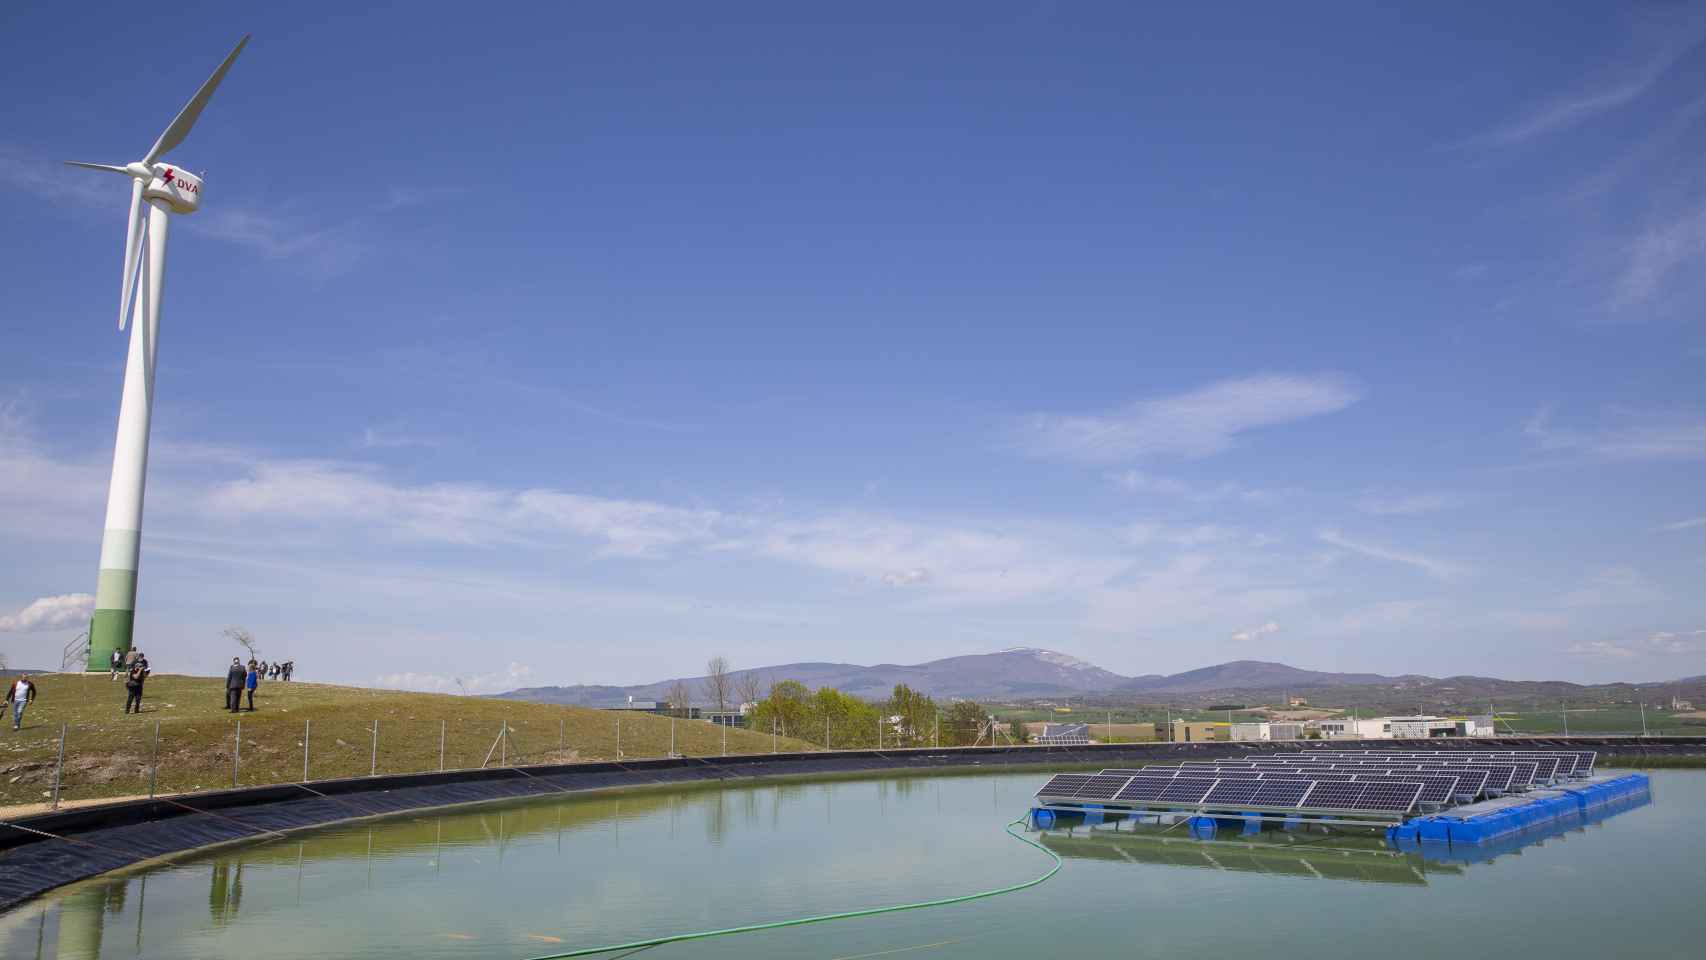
(133, 685)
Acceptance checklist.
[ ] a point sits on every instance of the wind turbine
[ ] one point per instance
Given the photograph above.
(167, 189)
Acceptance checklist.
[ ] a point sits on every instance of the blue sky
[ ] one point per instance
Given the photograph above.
(577, 345)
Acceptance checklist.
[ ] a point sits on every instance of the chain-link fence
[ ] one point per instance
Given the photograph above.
(53, 764)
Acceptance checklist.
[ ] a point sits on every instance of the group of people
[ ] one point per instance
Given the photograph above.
(240, 678)
(134, 666)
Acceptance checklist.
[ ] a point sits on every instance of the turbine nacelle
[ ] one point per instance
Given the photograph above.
(178, 190)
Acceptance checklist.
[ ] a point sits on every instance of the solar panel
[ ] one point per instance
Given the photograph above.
(1186, 789)
(1064, 784)
(1339, 796)
(1141, 789)
(1100, 788)
(1233, 791)
(1280, 793)
(1389, 797)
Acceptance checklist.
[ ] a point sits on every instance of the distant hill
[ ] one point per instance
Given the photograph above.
(1029, 673)
(1017, 673)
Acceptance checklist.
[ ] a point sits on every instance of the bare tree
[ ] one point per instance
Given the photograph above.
(243, 638)
(680, 698)
(717, 682)
(748, 688)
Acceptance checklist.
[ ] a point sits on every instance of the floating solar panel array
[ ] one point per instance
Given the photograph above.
(1359, 784)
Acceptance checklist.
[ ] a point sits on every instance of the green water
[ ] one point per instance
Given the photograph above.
(524, 880)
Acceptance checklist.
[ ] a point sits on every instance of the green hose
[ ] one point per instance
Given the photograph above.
(801, 921)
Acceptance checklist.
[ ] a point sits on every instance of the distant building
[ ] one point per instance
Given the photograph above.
(1681, 705)
(1421, 728)
(1193, 731)
(1476, 727)
(641, 706)
(1296, 702)
(722, 718)
(1267, 730)
(1342, 729)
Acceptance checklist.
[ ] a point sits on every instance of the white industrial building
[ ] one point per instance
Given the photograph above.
(1267, 730)
(1404, 728)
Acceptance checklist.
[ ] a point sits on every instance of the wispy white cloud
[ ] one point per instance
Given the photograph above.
(907, 578)
(1198, 423)
(1443, 569)
(1618, 586)
(1633, 435)
(392, 437)
(1658, 254)
(1688, 524)
(1663, 643)
(1623, 85)
(516, 675)
(1245, 636)
(51, 613)
(1407, 505)
(322, 251)
(1598, 648)
(1144, 482)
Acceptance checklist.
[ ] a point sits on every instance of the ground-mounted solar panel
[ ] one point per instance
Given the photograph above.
(1388, 797)
(1280, 792)
(1064, 784)
(1100, 788)
(1233, 791)
(1186, 790)
(1141, 789)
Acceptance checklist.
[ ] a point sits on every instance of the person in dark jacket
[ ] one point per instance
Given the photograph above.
(133, 685)
(234, 679)
(252, 681)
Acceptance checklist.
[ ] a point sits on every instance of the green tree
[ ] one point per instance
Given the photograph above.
(963, 723)
(917, 713)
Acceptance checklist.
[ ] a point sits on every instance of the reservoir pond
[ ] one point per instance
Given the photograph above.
(543, 877)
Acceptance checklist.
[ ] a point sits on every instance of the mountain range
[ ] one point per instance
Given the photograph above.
(1021, 673)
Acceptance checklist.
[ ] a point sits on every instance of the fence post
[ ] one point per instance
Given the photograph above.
(373, 755)
(826, 731)
(725, 738)
(307, 727)
(441, 724)
(154, 762)
(503, 744)
(619, 735)
(237, 754)
(772, 734)
(936, 732)
(559, 739)
(672, 737)
(879, 731)
(59, 767)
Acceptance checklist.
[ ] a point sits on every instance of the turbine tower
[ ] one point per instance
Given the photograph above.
(167, 189)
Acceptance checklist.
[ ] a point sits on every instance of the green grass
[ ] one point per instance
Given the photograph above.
(1613, 719)
(109, 754)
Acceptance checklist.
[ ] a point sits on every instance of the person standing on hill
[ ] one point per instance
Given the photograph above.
(234, 678)
(252, 681)
(117, 665)
(289, 668)
(133, 685)
(20, 694)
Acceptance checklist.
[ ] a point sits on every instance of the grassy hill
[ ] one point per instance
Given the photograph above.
(109, 754)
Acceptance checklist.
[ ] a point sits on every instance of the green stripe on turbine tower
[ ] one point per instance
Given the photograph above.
(157, 190)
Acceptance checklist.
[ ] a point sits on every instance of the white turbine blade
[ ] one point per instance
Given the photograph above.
(186, 118)
(97, 166)
(132, 249)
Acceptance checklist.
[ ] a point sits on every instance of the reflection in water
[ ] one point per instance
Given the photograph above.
(1316, 856)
